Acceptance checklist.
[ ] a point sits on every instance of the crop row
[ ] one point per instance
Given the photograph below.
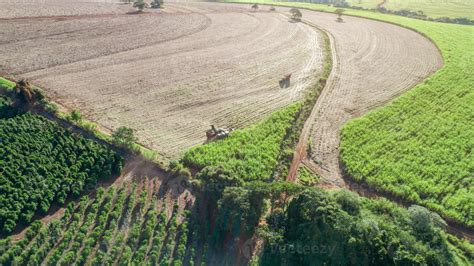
(42, 163)
(419, 147)
(251, 153)
(123, 226)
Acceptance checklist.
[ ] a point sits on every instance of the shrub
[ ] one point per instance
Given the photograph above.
(124, 136)
(75, 116)
(349, 201)
(89, 126)
(49, 107)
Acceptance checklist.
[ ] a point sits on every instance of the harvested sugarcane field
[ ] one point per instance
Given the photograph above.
(231, 59)
(151, 132)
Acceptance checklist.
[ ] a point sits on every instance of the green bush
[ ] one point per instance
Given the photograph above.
(6, 84)
(124, 136)
(6, 110)
(319, 231)
(49, 107)
(75, 116)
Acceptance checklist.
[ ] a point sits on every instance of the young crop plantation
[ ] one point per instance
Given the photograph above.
(119, 226)
(263, 133)
(43, 163)
(250, 154)
(418, 147)
(433, 9)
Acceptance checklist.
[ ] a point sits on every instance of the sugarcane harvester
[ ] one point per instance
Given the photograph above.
(217, 133)
(285, 81)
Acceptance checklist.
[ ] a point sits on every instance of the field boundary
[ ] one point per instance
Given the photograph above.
(308, 102)
(301, 147)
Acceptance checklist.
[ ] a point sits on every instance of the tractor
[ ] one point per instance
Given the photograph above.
(285, 81)
(217, 133)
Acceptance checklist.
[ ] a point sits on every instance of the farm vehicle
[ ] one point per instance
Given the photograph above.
(285, 81)
(296, 14)
(217, 133)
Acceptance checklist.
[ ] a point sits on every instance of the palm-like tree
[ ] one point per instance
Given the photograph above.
(254, 7)
(339, 12)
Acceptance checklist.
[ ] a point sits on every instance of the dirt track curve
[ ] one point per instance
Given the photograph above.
(167, 73)
(374, 62)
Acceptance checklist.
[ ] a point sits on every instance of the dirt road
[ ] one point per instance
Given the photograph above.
(374, 62)
(169, 74)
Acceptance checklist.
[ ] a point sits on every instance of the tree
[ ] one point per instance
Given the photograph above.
(123, 136)
(420, 218)
(421, 221)
(254, 7)
(339, 12)
(349, 201)
(140, 5)
(366, 235)
(296, 14)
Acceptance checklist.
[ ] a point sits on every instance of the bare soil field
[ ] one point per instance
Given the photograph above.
(373, 62)
(168, 74)
(43, 8)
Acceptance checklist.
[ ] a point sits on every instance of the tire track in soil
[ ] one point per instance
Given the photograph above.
(373, 62)
(329, 172)
(232, 67)
(199, 25)
(301, 154)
